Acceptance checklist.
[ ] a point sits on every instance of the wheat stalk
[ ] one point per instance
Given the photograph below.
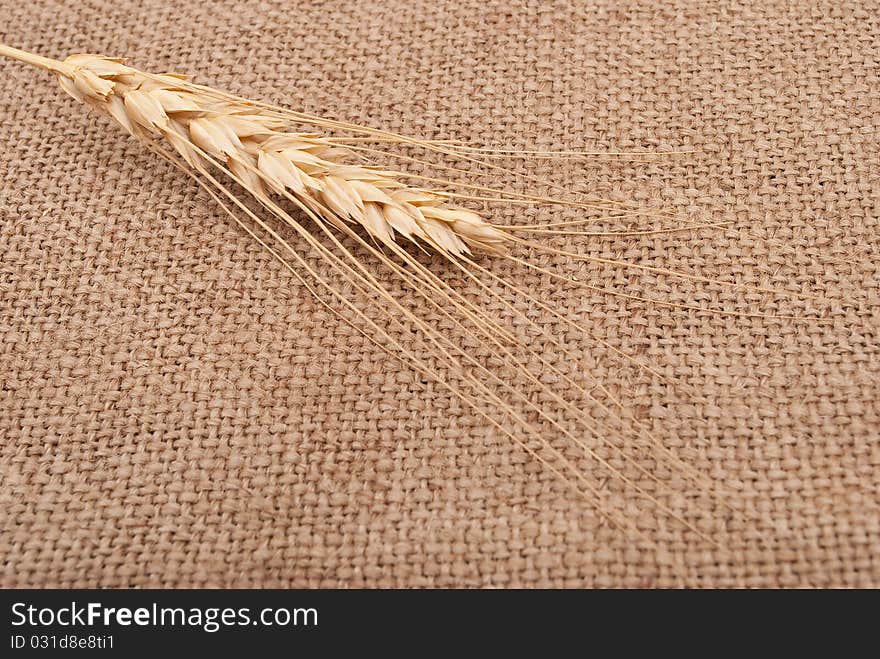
(203, 131)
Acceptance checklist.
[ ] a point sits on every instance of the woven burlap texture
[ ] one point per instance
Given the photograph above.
(176, 410)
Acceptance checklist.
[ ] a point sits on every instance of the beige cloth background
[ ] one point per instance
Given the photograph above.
(175, 410)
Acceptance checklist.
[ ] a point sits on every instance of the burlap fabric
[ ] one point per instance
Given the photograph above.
(175, 409)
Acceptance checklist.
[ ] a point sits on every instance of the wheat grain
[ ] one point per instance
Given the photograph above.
(265, 158)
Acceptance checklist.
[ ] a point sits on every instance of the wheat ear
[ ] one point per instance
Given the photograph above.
(264, 158)
(202, 130)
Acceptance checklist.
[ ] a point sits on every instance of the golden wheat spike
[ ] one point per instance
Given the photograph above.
(202, 130)
(263, 157)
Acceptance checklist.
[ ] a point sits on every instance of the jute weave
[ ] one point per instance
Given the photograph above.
(176, 410)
